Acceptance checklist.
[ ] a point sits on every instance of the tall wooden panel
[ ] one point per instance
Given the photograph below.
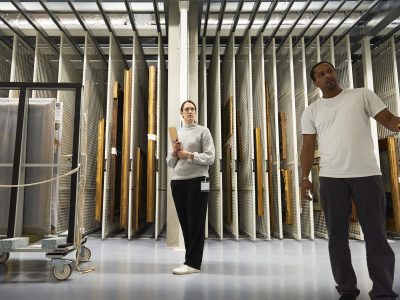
(125, 164)
(151, 145)
(99, 170)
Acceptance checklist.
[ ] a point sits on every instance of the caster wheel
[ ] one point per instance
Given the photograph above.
(84, 254)
(4, 256)
(62, 273)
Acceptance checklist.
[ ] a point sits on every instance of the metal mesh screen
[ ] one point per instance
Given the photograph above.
(383, 66)
(286, 105)
(259, 121)
(214, 123)
(228, 90)
(342, 58)
(326, 51)
(70, 70)
(358, 74)
(140, 92)
(94, 103)
(271, 77)
(5, 65)
(246, 194)
(202, 116)
(162, 138)
(300, 81)
(312, 57)
(22, 63)
(45, 66)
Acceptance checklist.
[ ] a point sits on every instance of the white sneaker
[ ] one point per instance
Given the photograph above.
(184, 269)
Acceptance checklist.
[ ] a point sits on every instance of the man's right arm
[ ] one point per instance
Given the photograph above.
(307, 160)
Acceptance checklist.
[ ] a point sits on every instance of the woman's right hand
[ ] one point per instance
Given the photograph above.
(176, 146)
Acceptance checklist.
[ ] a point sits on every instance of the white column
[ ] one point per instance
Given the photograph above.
(183, 60)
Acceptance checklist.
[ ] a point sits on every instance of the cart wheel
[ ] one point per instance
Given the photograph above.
(83, 254)
(62, 274)
(4, 256)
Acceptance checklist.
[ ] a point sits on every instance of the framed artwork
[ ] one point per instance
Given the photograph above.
(388, 154)
(287, 199)
(315, 182)
(282, 135)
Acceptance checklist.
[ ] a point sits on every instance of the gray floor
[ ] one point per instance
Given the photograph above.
(141, 269)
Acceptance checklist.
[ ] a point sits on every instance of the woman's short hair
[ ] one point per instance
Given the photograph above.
(188, 101)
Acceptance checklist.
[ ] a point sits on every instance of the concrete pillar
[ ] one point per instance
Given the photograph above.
(177, 93)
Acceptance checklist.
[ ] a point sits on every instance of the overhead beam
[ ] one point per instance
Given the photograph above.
(206, 18)
(271, 9)
(155, 5)
(236, 18)
(279, 24)
(17, 31)
(256, 7)
(60, 26)
(34, 24)
(85, 28)
(221, 15)
(110, 29)
(295, 23)
(326, 22)
(363, 15)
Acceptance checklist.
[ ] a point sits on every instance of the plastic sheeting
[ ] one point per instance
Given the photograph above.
(39, 150)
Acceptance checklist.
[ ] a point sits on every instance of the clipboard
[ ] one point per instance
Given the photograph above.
(173, 134)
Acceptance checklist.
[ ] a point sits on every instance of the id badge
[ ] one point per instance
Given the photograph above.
(205, 186)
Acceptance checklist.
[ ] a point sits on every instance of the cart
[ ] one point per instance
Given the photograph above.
(55, 247)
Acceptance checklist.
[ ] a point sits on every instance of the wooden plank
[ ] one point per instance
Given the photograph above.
(287, 180)
(283, 135)
(269, 153)
(117, 95)
(99, 170)
(259, 172)
(151, 145)
(388, 150)
(126, 141)
(173, 134)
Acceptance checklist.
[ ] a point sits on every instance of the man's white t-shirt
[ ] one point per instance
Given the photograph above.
(342, 125)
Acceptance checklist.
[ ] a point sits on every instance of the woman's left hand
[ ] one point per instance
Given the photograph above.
(183, 154)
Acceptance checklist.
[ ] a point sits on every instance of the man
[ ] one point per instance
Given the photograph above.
(348, 168)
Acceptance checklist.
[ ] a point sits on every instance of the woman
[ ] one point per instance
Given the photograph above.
(192, 154)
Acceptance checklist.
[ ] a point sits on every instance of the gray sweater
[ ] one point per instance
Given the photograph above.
(196, 139)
